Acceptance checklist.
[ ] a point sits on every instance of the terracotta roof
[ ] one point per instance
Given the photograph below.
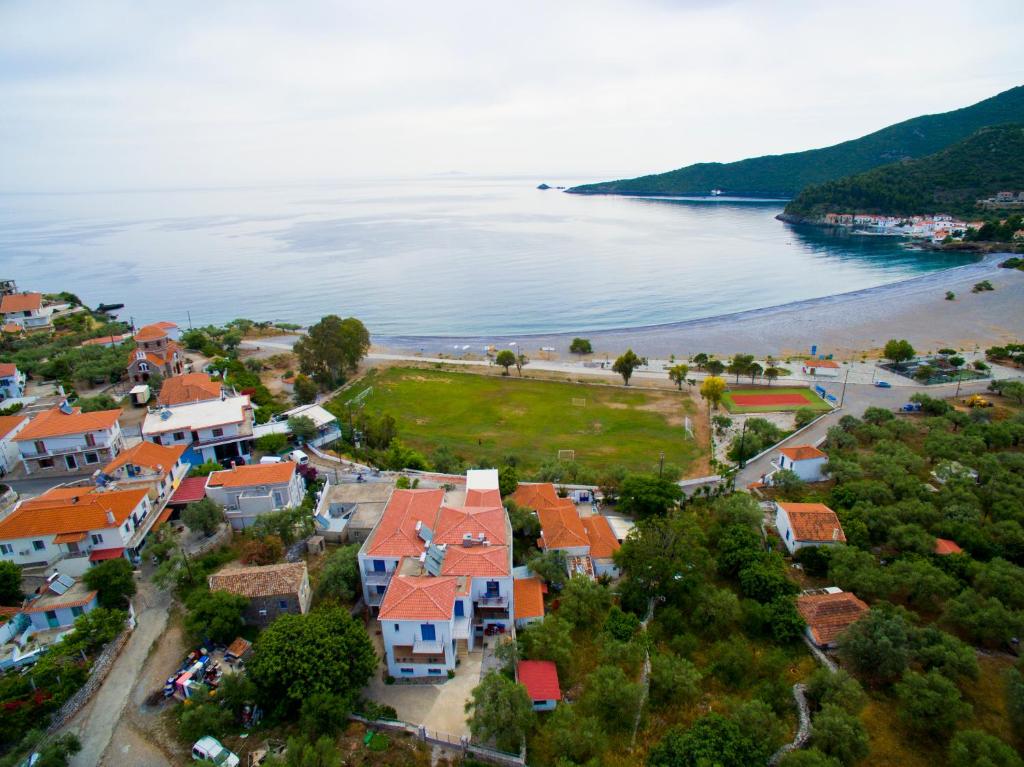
(395, 534)
(602, 540)
(21, 302)
(54, 423)
(802, 452)
(190, 490)
(70, 510)
(13, 327)
(419, 598)
(452, 524)
(562, 528)
(536, 496)
(813, 522)
(70, 537)
(477, 561)
(266, 581)
(150, 333)
(254, 474)
(528, 597)
(191, 387)
(54, 602)
(477, 497)
(540, 678)
(8, 369)
(166, 324)
(239, 647)
(829, 615)
(9, 423)
(148, 454)
(945, 547)
(115, 339)
(821, 364)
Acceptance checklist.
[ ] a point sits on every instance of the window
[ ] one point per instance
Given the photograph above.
(396, 627)
(381, 589)
(218, 432)
(278, 498)
(492, 588)
(71, 462)
(428, 632)
(460, 611)
(787, 535)
(406, 670)
(76, 611)
(40, 446)
(97, 538)
(379, 566)
(6, 548)
(38, 545)
(433, 671)
(51, 615)
(144, 367)
(92, 458)
(179, 436)
(46, 463)
(283, 604)
(90, 439)
(156, 440)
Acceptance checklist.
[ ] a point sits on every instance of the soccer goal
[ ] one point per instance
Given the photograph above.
(566, 455)
(688, 425)
(579, 401)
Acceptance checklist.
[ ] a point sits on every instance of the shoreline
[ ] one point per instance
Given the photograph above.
(845, 324)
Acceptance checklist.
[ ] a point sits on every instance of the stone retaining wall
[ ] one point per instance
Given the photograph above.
(99, 672)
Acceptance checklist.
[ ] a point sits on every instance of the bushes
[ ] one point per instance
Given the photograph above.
(272, 443)
(114, 581)
(215, 615)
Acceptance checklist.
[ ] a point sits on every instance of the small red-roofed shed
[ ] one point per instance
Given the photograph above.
(540, 678)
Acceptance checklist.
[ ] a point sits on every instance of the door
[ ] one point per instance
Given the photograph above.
(427, 632)
(51, 619)
(379, 566)
(460, 611)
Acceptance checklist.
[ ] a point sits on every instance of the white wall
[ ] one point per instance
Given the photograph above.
(406, 635)
(809, 470)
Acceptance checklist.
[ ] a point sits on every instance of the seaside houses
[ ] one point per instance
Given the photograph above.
(326, 423)
(28, 311)
(348, 512)
(156, 353)
(437, 570)
(12, 381)
(158, 469)
(213, 429)
(246, 492)
(64, 440)
(807, 524)
(10, 455)
(821, 368)
(272, 590)
(188, 388)
(77, 526)
(806, 461)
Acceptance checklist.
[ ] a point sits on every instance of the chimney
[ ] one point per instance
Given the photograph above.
(110, 518)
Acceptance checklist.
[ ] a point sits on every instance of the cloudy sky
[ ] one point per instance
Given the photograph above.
(115, 95)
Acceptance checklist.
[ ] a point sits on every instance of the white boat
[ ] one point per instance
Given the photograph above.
(716, 192)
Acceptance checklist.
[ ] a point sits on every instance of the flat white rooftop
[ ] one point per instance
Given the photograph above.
(197, 415)
(482, 479)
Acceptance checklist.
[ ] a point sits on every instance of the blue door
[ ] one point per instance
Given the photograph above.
(427, 632)
(379, 566)
(492, 588)
(459, 609)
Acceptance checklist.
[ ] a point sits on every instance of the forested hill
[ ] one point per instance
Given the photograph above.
(949, 181)
(785, 175)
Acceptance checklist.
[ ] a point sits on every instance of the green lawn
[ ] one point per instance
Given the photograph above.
(810, 399)
(483, 419)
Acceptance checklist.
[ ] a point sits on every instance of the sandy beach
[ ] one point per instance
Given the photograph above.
(847, 325)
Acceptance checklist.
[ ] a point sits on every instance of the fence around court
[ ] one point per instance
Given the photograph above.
(447, 740)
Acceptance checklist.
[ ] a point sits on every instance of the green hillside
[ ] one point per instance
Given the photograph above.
(785, 175)
(949, 181)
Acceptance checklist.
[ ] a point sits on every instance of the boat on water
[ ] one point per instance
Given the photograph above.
(716, 192)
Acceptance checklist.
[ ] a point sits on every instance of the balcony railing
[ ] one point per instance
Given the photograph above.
(68, 450)
(377, 579)
(497, 602)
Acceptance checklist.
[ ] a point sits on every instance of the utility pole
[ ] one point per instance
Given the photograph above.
(842, 395)
(189, 318)
(743, 444)
(661, 464)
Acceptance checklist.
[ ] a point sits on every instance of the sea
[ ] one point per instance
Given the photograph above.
(450, 255)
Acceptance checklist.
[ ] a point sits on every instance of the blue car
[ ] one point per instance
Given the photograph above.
(883, 384)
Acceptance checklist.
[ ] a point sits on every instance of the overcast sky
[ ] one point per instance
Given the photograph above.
(107, 95)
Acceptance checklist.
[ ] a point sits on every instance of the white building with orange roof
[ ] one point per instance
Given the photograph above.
(427, 546)
(64, 440)
(822, 368)
(79, 525)
(807, 524)
(156, 353)
(806, 461)
(189, 387)
(156, 468)
(12, 381)
(10, 455)
(246, 492)
(26, 310)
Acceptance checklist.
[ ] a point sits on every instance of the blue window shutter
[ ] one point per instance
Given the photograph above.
(459, 609)
(427, 632)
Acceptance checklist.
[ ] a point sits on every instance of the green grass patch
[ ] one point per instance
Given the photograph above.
(483, 419)
(808, 397)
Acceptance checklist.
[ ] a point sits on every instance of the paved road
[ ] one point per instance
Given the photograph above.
(30, 487)
(96, 722)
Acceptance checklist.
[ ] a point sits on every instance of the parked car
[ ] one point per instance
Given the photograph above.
(883, 384)
(214, 751)
(911, 407)
(297, 456)
(271, 459)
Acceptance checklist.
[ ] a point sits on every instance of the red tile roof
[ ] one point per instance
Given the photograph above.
(9, 423)
(191, 387)
(115, 339)
(265, 581)
(477, 561)
(802, 452)
(829, 615)
(561, 527)
(419, 598)
(536, 496)
(477, 497)
(255, 474)
(451, 524)
(540, 678)
(21, 302)
(150, 333)
(53, 601)
(945, 547)
(603, 543)
(7, 369)
(190, 490)
(70, 510)
(813, 522)
(148, 454)
(395, 534)
(821, 364)
(54, 423)
(528, 597)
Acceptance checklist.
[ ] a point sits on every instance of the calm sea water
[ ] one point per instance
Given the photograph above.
(441, 256)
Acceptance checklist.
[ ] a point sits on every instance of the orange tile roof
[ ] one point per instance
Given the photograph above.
(54, 602)
(477, 561)
(528, 597)
(395, 534)
(829, 615)
(561, 527)
(266, 581)
(813, 522)
(452, 524)
(13, 327)
(70, 537)
(115, 339)
(419, 598)
(602, 540)
(21, 302)
(255, 474)
(821, 364)
(9, 423)
(945, 547)
(476, 497)
(191, 387)
(150, 333)
(7, 369)
(148, 454)
(70, 510)
(536, 496)
(54, 423)
(802, 452)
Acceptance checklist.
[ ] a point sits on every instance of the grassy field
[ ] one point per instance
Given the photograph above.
(807, 396)
(483, 419)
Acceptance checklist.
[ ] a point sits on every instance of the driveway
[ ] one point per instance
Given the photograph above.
(96, 722)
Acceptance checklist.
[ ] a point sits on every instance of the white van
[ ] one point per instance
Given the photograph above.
(271, 459)
(297, 456)
(214, 751)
